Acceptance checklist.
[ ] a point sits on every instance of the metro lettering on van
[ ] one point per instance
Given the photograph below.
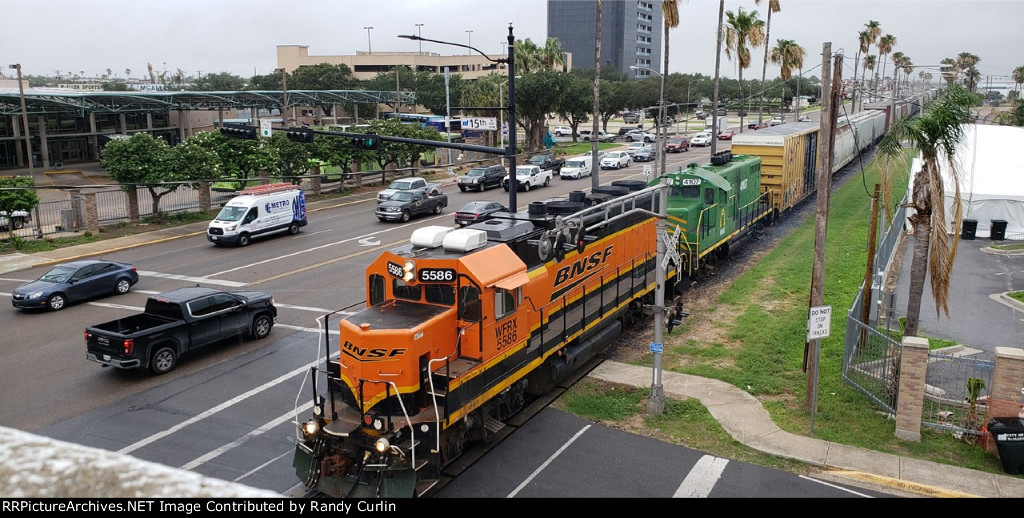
(275, 205)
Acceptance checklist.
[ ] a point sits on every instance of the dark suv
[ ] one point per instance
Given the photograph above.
(482, 177)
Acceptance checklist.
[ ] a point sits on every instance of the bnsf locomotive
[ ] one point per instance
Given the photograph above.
(462, 326)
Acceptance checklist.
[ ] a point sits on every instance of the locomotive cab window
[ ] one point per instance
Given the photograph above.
(439, 294)
(376, 289)
(709, 196)
(685, 191)
(505, 301)
(401, 290)
(469, 304)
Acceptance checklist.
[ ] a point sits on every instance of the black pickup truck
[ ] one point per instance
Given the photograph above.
(176, 322)
(548, 162)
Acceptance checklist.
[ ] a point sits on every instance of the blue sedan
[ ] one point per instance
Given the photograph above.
(75, 281)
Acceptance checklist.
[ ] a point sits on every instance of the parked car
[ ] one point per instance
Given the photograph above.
(602, 136)
(701, 114)
(73, 282)
(677, 145)
(15, 222)
(726, 135)
(701, 139)
(561, 131)
(576, 167)
(777, 120)
(623, 130)
(640, 135)
(631, 118)
(477, 211)
(758, 125)
(644, 154)
(482, 177)
(803, 118)
(615, 160)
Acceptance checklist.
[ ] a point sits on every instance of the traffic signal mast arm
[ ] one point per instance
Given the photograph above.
(416, 141)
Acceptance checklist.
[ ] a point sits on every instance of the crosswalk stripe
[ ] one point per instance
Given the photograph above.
(702, 478)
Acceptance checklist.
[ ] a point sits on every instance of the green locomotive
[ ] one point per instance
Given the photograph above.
(711, 208)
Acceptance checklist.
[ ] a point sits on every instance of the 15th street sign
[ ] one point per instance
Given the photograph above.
(480, 123)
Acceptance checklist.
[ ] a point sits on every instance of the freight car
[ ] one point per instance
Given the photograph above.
(462, 327)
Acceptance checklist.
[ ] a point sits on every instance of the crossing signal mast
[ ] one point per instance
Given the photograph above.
(240, 131)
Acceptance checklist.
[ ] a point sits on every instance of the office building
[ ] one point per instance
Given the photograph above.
(631, 33)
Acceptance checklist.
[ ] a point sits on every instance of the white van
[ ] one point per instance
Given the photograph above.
(259, 211)
(576, 167)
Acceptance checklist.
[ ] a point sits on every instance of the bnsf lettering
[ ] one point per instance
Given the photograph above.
(583, 265)
(506, 334)
(363, 353)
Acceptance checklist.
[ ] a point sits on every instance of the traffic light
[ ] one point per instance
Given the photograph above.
(241, 131)
(369, 143)
(301, 135)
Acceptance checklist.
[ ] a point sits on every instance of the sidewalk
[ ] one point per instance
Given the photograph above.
(746, 420)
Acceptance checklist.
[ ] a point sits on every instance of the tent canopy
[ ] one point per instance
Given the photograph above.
(991, 165)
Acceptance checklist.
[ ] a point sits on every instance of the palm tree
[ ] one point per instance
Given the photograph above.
(742, 28)
(595, 167)
(552, 54)
(897, 62)
(885, 44)
(950, 72)
(908, 66)
(528, 56)
(874, 32)
(869, 64)
(773, 7)
(1018, 77)
(670, 11)
(788, 55)
(936, 133)
(967, 64)
(864, 39)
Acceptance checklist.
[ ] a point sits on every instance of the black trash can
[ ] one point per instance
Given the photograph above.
(1008, 433)
(998, 231)
(970, 228)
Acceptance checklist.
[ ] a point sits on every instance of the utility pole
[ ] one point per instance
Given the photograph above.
(595, 163)
(826, 143)
(656, 401)
(718, 63)
(869, 273)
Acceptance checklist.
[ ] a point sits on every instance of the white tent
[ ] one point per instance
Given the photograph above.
(991, 160)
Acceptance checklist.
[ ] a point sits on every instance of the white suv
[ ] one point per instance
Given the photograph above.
(561, 131)
(701, 139)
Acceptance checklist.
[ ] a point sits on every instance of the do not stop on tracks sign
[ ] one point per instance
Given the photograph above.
(819, 322)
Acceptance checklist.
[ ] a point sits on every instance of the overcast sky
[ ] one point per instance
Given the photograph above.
(241, 36)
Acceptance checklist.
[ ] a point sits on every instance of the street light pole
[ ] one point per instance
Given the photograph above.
(659, 146)
(369, 48)
(28, 144)
(470, 35)
(510, 60)
(419, 32)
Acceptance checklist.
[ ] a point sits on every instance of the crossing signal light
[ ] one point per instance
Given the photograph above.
(301, 135)
(241, 131)
(370, 142)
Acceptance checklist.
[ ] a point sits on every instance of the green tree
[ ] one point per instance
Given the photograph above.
(218, 82)
(773, 7)
(323, 76)
(271, 81)
(21, 196)
(537, 95)
(115, 86)
(577, 102)
(293, 159)
(742, 29)
(239, 159)
(552, 55)
(950, 72)
(1018, 77)
(397, 153)
(150, 162)
(885, 45)
(529, 57)
(864, 42)
(968, 65)
(936, 133)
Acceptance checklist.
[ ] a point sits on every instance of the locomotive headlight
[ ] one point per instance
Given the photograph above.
(378, 424)
(410, 271)
(382, 445)
(311, 427)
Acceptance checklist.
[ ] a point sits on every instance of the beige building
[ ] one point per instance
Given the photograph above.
(366, 65)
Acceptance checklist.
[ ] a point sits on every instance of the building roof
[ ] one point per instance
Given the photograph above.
(77, 102)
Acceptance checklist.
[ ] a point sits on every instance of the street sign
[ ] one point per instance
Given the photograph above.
(819, 323)
(265, 128)
(656, 347)
(648, 171)
(480, 123)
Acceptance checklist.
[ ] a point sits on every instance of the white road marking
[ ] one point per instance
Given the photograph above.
(546, 462)
(702, 478)
(822, 482)
(204, 280)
